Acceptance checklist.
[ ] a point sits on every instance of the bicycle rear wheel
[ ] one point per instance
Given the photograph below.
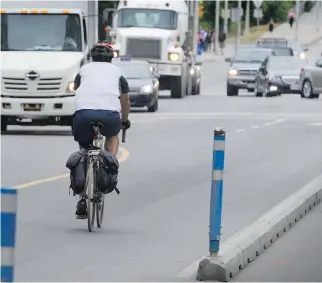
(90, 203)
(100, 212)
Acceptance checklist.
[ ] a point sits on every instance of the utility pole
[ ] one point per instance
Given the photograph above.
(238, 25)
(217, 26)
(246, 31)
(226, 18)
(195, 26)
(297, 17)
(318, 6)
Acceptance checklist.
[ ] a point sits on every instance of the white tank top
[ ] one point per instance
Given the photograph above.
(99, 88)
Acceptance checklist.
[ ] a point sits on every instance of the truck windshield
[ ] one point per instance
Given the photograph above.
(147, 18)
(49, 32)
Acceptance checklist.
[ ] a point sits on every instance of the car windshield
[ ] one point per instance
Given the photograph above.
(135, 71)
(47, 32)
(290, 63)
(251, 56)
(283, 52)
(147, 18)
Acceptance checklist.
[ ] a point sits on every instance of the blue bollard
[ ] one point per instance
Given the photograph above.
(216, 190)
(8, 233)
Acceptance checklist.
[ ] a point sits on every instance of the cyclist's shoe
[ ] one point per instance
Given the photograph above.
(81, 209)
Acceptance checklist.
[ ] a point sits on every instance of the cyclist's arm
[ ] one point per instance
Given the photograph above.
(124, 98)
(77, 81)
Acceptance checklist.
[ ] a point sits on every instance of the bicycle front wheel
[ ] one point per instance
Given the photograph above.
(90, 201)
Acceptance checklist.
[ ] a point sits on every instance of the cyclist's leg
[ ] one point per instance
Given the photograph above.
(111, 121)
(83, 131)
(83, 134)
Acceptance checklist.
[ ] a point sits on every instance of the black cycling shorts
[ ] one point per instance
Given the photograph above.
(83, 130)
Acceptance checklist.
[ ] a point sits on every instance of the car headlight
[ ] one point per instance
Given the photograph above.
(70, 87)
(192, 72)
(173, 56)
(302, 55)
(146, 89)
(232, 72)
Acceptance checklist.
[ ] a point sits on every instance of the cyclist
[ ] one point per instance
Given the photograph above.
(101, 94)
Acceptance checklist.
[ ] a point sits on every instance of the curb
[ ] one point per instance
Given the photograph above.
(247, 244)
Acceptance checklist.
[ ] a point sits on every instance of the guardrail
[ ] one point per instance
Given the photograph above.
(8, 233)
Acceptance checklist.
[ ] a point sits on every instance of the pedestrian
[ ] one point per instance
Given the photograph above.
(222, 41)
(208, 42)
(291, 17)
(271, 25)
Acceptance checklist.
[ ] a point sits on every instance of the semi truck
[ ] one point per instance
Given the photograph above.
(155, 31)
(43, 46)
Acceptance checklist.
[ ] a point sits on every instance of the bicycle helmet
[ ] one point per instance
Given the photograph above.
(102, 52)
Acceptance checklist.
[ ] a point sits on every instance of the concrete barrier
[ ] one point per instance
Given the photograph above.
(248, 243)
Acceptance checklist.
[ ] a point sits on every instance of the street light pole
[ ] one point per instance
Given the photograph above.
(217, 26)
(238, 25)
(226, 17)
(297, 20)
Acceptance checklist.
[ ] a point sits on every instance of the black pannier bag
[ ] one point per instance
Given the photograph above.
(106, 175)
(76, 163)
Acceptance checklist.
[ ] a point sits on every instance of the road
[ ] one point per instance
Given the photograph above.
(158, 225)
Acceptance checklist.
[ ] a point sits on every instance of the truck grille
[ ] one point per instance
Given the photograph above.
(20, 85)
(247, 72)
(49, 84)
(144, 48)
(15, 84)
(290, 80)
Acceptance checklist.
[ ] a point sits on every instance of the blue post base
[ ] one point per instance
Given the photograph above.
(6, 273)
(214, 246)
(199, 50)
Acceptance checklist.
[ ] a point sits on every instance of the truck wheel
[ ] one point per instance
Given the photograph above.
(231, 90)
(4, 124)
(178, 90)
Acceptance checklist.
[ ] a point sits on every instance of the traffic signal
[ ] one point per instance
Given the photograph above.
(201, 8)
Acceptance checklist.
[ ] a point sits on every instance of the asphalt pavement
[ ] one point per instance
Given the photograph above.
(158, 225)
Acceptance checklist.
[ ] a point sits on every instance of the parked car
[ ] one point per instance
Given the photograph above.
(311, 80)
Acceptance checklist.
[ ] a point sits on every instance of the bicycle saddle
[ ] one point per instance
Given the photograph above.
(96, 124)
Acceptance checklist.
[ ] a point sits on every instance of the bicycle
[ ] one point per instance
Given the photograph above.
(95, 198)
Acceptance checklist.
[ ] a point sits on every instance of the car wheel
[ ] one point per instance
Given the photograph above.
(257, 93)
(154, 107)
(307, 90)
(231, 90)
(4, 124)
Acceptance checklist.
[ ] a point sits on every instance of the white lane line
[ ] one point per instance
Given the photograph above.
(317, 124)
(254, 127)
(274, 122)
(240, 130)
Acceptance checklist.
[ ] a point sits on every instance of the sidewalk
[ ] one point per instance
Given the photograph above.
(307, 32)
(229, 51)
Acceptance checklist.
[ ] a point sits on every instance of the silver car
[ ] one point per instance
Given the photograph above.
(243, 69)
(311, 80)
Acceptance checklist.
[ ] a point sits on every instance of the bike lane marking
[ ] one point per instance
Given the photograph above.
(124, 154)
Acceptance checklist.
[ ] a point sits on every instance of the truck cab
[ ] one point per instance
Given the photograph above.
(42, 50)
(155, 31)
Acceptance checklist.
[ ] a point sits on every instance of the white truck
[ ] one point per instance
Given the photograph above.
(43, 46)
(155, 31)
